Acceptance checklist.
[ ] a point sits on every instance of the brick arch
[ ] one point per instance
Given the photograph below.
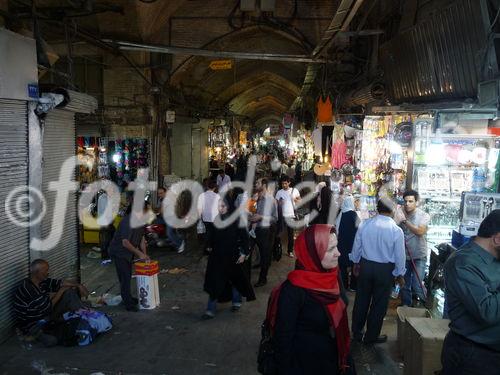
(234, 88)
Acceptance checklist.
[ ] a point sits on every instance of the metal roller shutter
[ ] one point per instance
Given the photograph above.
(14, 257)
(59, 145)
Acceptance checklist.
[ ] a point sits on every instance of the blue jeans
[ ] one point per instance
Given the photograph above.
(212, 303)
(173, 236)
(412, 285)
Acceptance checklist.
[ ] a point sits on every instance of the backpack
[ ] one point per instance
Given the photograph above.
(73, 332)
(98, 320)
(266, 361)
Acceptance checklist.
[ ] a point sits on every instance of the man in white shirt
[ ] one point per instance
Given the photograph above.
(287, 198)
(223, 181)
(378, 255)
(208, 209)
(414, 225)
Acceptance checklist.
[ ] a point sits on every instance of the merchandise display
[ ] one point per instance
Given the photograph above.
(383, 161)
(445, 166)
(86, 154)
(117, 160)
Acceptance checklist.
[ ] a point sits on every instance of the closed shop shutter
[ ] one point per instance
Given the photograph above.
(14, 254)
(58, 146)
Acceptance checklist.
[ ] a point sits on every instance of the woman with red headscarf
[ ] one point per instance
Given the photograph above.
(311, 330)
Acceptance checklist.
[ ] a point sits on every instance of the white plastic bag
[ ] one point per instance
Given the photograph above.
(200, 227)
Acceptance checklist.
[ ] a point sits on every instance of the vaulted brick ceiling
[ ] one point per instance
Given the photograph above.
(255, 89)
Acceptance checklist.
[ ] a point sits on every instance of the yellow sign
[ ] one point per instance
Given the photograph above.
(221, 64)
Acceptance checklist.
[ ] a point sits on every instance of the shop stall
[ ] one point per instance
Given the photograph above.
(453, 154)
(115, 159)
(220, 143)
(385, 144)
(439, 153)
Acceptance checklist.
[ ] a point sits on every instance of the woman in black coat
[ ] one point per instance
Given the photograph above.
(347, 225)
(225, 278)
(323, 204)
(311, 330)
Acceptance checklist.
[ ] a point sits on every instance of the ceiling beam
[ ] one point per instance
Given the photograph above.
(340, 22)
(131, 46)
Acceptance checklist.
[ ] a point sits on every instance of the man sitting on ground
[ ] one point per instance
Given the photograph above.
(40, 299)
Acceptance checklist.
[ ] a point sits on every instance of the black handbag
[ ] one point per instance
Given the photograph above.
(266, 360)
(277, 250)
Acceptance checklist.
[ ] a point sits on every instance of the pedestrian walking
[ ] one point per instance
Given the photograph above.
(208, 209)
(311, 333)
(225, 278)
(378, 255)
(266, 218)
(287, 198)
(347, 225)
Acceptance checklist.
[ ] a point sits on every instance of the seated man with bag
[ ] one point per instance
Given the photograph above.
(40, 299)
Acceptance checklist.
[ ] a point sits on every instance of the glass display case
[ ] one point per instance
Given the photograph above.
(446, 165)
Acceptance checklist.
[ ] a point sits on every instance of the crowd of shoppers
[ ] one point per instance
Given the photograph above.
(335, 252)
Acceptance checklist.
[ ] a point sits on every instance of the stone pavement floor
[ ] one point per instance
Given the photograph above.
(172, 339)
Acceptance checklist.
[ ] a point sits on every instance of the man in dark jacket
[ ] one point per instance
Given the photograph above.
(472, 278)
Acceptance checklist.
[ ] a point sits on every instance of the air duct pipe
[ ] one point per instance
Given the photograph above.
(375, 91)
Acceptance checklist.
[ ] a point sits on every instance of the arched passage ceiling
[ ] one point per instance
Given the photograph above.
(252, 88)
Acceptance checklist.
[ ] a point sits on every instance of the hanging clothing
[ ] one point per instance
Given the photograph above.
(339, 155)
(316, 138)
(325, 110)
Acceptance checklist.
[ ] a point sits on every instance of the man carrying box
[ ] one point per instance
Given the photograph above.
(126, 243)
(472, 279)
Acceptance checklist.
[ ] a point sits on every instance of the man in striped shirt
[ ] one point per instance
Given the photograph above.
(39, 299)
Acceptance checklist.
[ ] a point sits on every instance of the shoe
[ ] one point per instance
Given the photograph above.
(105, 262)
(379, 340)
(291, 255)
(207, 316)
(182, 247)
(260, 283)
(95, 248)
(132, 308)
(236, 307)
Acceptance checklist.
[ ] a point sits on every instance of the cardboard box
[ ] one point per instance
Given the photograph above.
(405, 312)
(148, 292)
(147, 268)
(423, 352)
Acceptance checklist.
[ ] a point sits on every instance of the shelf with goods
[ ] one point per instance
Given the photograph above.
(384, 159)
(446, 165)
